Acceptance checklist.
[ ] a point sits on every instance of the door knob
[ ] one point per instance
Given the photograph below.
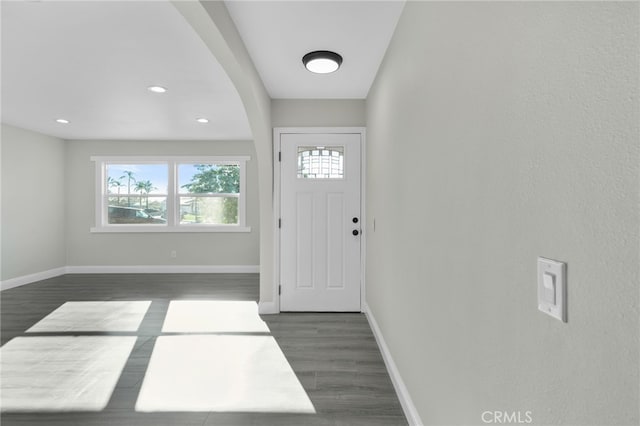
(355, 232)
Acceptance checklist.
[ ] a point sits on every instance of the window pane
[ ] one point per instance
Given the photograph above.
(209, 210)
(137, 210)
(142, 179)
(208, 179)
(319, 162)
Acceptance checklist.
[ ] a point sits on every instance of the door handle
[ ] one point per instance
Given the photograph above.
(355, 232)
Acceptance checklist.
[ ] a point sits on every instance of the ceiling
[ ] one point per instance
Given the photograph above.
(90, 62)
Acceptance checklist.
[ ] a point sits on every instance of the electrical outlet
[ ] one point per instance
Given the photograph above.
(174, 253)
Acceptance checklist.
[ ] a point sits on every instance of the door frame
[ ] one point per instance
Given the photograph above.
(277, 132)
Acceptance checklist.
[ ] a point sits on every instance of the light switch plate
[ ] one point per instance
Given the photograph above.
(558, 273)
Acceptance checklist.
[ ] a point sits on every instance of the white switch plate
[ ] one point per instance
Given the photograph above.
(556, 279)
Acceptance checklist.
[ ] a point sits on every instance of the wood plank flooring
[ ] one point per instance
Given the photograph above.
(334, 356)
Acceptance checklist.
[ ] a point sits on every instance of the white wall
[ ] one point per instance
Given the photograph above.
(33, 209)
(499, 132)
(318, 113)
(202, 249)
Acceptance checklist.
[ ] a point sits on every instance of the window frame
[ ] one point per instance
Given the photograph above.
(173, 195)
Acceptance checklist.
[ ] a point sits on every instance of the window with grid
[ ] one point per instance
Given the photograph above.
(319, 162)
(170, 194)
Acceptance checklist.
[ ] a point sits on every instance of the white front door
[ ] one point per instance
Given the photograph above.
(320, 222)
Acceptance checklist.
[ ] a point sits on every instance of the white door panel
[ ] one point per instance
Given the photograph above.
(320, 198)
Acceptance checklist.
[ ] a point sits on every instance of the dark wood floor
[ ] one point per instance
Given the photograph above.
(335, 356)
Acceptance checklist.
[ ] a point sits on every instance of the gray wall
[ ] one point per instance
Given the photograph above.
(318, 112)
(499, 132)
(33, 213)
(100, 249)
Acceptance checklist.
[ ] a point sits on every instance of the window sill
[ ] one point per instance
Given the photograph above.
(166, 229)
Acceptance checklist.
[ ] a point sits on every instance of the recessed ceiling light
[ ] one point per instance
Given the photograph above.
(322, 61)
(202, 120)
(156, 89)
(62, 121)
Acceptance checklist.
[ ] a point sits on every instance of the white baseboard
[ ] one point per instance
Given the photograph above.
(267, 308)
(152, 269)
(165, 269)
(409, 409)
(27, 279)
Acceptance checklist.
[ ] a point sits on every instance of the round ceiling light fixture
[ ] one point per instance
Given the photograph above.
(322, 61)
(62, 121)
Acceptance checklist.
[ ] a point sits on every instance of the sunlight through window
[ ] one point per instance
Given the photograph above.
(237, 367)
(108, 316)
(213, 316)
(221, 373)
(61, 373)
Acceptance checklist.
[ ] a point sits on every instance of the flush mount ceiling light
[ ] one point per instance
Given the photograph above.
(62, 121)
(322, 61)
(156, 89)
(202, 120)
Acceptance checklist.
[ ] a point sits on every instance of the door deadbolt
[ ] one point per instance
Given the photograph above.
(355, 220)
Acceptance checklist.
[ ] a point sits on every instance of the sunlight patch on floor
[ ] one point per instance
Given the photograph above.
(223, 374)
(108, 316)
(61, 373)
(213, 316)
